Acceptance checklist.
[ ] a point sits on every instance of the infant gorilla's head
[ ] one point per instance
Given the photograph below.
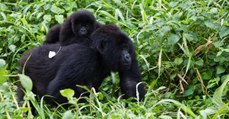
(83, 23)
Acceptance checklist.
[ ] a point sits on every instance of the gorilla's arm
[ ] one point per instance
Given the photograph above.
(130, 80)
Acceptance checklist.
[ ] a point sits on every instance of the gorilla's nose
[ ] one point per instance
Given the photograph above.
(127, 58)
(83, 31)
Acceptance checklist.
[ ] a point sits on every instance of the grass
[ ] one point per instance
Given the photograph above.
(182, 48)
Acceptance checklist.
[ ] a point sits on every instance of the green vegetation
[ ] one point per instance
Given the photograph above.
(182, 47)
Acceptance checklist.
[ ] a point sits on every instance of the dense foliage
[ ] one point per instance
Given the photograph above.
(182, 49)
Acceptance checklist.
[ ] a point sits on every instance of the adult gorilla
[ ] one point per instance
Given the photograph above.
(111, 51)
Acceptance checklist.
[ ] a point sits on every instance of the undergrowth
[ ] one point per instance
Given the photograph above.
(182, 48)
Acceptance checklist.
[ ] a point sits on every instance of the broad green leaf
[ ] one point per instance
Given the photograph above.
(2, 63)
(56, 9)
(224, 31)
(173, 4)
(68, 115)
(217, 97)
(68, 93)
(189, 91)
(206, 75)
(200, 62)
(26, 82)
(47, 18)
(59, 18)
(218, 44)
(214, 10)
(3, 7)
(164, 30)
(206, 112)
(219, 69)
(190, 37)
(3, 75)
(12, 48)
(210, 24)
(173, 39)
(39, 15)
(178, 61)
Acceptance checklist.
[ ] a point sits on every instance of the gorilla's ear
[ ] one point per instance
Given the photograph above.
(102, 46)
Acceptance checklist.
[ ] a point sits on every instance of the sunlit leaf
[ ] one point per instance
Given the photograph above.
(224, 31)
(220, 69)
(59, 18)
(2, 63)
(26, 82)
(3, 74)
(173, 39)
(68, 115)
(56, 9)
(217, 97)
(68, 93)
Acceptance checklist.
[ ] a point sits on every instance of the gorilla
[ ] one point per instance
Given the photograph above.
(53, 35)
(76, 29)
(111, 50)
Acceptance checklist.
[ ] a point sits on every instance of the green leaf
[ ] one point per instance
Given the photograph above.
(173, 4)
(178, 61)
(206, 75)
(12, 48)
(213, 82)
(224, 31)
(2, 63)
(189, 91)
(100, 96)
(190, 37)
(59, 18)
(214, 10)
(119, 14)
(56, 9)
(173, 39)
(210, 24)
(217, 97)
(200, 62)
(3, 75)
(218, 44)
(68, 93)
(219, 69)
(178, 104)
(164, 30)
(68, 115)
(3, 7)
(26, 82)
(47, 18)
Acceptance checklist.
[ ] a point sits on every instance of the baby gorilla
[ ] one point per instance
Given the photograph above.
(111, 51)
(76, 29)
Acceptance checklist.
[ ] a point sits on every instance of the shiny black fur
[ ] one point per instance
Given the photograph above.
(76, 29)
(53, 35)
(110, 51)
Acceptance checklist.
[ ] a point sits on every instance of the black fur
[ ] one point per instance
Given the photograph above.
(76, 29)
(111, 51)
(53, 35)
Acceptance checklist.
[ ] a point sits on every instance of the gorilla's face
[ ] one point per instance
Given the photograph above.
(115, 47)
(83, 24)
